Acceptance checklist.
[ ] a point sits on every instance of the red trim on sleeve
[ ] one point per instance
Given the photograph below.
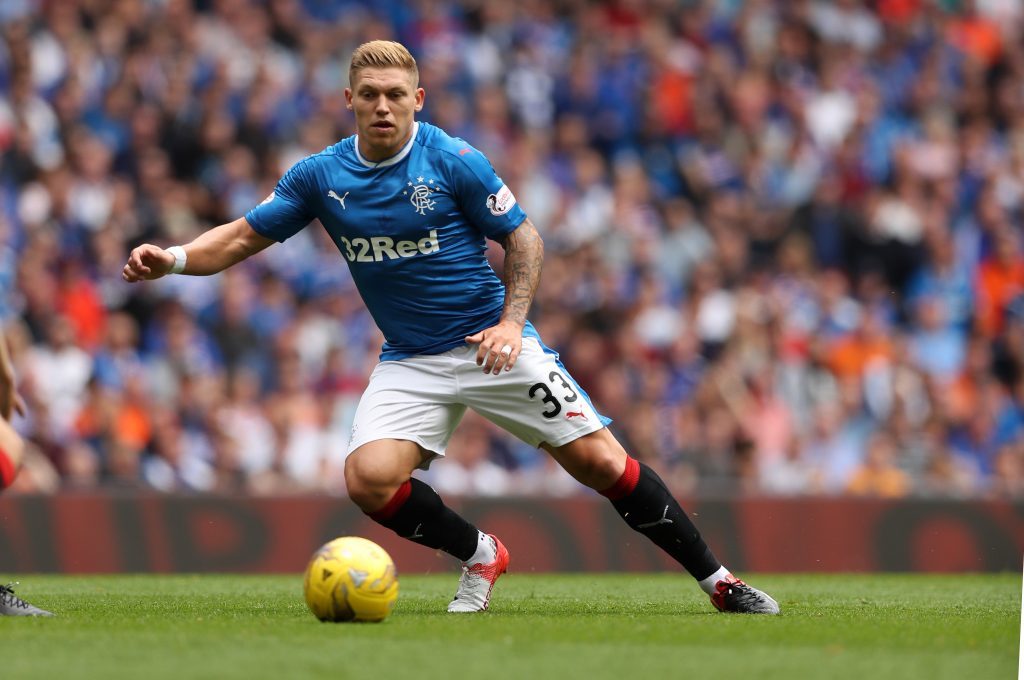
(393, 505)
(7, 471)
(626, 483)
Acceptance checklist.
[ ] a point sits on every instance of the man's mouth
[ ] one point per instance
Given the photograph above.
(382, 125)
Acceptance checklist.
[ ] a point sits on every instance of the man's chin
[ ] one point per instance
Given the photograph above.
(382, 134)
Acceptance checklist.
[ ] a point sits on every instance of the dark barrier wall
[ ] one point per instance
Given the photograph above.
(129, 533)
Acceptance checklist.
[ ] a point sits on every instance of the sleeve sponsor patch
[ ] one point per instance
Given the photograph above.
(501, 202)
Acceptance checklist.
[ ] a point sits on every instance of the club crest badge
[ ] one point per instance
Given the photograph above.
(420, 194)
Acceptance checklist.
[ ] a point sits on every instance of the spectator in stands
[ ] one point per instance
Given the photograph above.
(879, 475)
(831, 189)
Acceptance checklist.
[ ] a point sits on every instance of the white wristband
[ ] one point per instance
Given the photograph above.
(179, 259)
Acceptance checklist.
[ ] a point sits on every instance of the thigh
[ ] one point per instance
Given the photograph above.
(537, 401)
(384, 460)
(409, 400)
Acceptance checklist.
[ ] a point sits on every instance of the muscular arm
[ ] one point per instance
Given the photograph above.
(524, 256)
(211, 252)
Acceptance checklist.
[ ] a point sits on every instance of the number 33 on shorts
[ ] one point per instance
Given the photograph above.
(538, 401)
(422, 398)
(555, 405)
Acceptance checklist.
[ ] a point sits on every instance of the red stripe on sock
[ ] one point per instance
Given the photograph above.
(393, 505)
(626, 483)
(7, 470)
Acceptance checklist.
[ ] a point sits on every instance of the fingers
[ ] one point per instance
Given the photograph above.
(494, 357)
(19, 405)
(138, 267)
(498, 349)
(129, 274)
(134, 270)
(508, 358)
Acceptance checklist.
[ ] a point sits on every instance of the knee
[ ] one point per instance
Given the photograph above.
(597, 463)
(604, 469)
(370, 484)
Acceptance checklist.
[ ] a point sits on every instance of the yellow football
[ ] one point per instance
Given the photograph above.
(351, 579)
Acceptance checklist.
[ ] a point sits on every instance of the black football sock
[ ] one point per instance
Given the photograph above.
(644, 502)
(417, 513)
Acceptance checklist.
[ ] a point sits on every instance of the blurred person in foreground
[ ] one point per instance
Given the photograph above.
(12, 449)
(409, 208)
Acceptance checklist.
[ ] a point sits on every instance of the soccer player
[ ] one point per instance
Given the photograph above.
(409, 208)
(11, 449)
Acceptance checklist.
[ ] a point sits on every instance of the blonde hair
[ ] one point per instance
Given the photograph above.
(382, 54)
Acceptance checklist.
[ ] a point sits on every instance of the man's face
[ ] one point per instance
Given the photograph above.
(385, 102)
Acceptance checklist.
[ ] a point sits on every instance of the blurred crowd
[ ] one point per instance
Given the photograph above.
(784, 239)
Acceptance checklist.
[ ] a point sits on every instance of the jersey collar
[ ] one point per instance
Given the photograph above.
(394, 159)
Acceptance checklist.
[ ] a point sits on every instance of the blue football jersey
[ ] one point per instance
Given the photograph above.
(413, 230)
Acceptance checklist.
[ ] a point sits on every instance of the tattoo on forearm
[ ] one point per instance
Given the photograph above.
(524, 256)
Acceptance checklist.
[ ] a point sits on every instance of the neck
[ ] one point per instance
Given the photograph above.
(375, 155)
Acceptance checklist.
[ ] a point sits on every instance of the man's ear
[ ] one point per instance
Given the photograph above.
(348, 98)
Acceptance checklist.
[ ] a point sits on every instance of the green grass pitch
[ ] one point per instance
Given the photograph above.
(624, 626)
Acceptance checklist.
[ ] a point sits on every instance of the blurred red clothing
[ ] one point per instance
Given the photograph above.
(997, 284)
(80, 301)
(977, 37)
(850, 355)
(672, 101)
(898, 11)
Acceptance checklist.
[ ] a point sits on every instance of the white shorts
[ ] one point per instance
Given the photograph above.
(422, 399)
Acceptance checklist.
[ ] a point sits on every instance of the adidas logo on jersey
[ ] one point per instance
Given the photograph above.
(379, 248)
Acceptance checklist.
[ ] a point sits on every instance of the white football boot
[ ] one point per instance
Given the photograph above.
(478, 580)
(733, 595)
(12, 605)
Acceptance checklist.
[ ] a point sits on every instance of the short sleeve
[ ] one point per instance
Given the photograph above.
(284, 212)
(482, 196)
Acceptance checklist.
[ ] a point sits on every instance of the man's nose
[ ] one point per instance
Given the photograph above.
(382, 104)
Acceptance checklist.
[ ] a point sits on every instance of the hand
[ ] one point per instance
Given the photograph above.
(147, 262)
(499, 346)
